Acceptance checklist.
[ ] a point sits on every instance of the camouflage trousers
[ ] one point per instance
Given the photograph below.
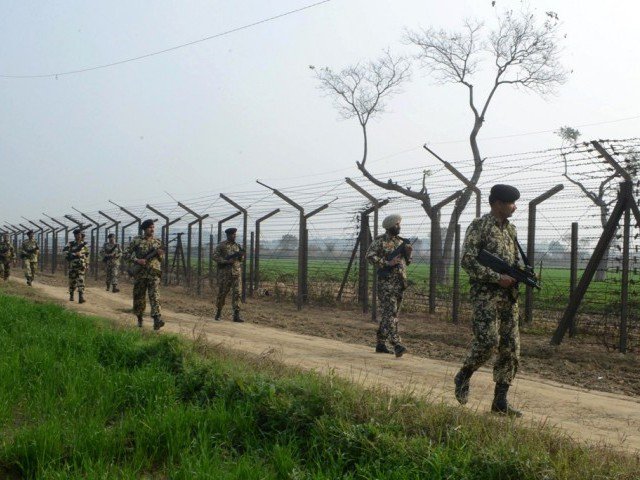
(495, 325)
(227, 281)
(112, 273)
(76, 279)
(29, 267)
(143, 286)
(390, 294)
(5, 270)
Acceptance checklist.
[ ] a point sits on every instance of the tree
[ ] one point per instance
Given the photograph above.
(524, 53)
(288, 242)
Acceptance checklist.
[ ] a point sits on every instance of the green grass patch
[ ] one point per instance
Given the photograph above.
(82, 399)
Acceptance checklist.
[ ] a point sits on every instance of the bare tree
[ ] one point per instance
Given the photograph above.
(361, 90)
(524, 54)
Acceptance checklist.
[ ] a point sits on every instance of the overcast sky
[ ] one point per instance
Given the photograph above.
(215, 116)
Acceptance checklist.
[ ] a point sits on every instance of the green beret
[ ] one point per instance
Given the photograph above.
(504, 193)
(390, 221)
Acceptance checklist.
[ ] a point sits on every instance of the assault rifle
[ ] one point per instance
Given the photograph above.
(29, 251)
(495, 263)
(135, 268)
(385, 271)
(71, 252)
(108, 254)
(233, 256)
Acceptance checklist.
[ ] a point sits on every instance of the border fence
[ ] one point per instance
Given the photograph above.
(306, 243)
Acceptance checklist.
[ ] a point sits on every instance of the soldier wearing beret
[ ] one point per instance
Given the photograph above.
(228, 255)
(144, 255)
(111, 254)
(77, 254)
(29, 254)
(6, 256)
(494, 299)
(392, 282)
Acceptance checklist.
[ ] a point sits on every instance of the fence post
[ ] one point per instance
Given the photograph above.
(198, 220)
(224, 220)
(624, 286)
(165, 239)
(455, 311)
(54, 246)
(573, 278)
(65, 227)
(531, 246)
(256, 261)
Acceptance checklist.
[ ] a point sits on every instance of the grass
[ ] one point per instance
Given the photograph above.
(80, 399)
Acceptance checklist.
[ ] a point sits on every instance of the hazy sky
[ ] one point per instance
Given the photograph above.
(216, 116)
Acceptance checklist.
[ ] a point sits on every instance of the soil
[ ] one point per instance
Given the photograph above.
(579, 386)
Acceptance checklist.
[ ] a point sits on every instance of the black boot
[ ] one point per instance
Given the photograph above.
(399, 350)
(140, 321)
(115, 289)
(382, 348)
(461, 381)
(158, 323)
(71, 296)
(81, 297)
(236, 316)
(218, 313)
(500, 404)
(108, 287)
(28, 282)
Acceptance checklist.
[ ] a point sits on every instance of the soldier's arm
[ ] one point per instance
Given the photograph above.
(218, 255)
(129, 254)
(375, 255)
(470, 250)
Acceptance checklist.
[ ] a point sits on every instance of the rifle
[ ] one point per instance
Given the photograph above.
(108, 254)
(72, 251)
(385, 271)
(233, 256)
(28, 252)
(135, 268)
(495, 263)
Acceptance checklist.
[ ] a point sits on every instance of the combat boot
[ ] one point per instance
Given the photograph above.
(158, 323)
(236, 316)
(218, 313)
(399, 350)
(71, 296)
(500, 404)
(461, 382)
(115, 289)
(28, 282)
(140, 321)
(382, 348)
(81, 297)
(108, 287)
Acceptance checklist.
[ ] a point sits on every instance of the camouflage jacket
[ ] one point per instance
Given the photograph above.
(140, 247)
(487, 233)
(378, 252)
(111, 253)
(6, 251)
(223, 251)
(29, 250)
(77, 254)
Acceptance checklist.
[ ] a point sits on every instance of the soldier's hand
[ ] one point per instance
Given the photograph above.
(395, 261)
(506, 281)
(409, 249)
(141, 261)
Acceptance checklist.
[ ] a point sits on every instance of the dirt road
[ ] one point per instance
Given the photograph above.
(586, 415)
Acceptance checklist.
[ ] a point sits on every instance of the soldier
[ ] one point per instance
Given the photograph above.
(494, 298)
(6, 256)
(145, 255)
(77, 253)
(390, 254)
(228, 255)
(29, 254)
(111, 253)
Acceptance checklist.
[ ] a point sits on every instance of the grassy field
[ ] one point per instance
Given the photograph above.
(82, 399)
(601, 297)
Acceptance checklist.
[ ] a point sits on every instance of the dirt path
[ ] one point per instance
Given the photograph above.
(584, 414)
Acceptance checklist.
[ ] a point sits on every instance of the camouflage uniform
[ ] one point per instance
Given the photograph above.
(78, 258)
(495, 309)
(6, 257)
(147, 278)
(391, 287)
(111, 254)
(229, 275)
(29, 254)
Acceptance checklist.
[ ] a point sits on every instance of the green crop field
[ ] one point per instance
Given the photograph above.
(81, 399)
